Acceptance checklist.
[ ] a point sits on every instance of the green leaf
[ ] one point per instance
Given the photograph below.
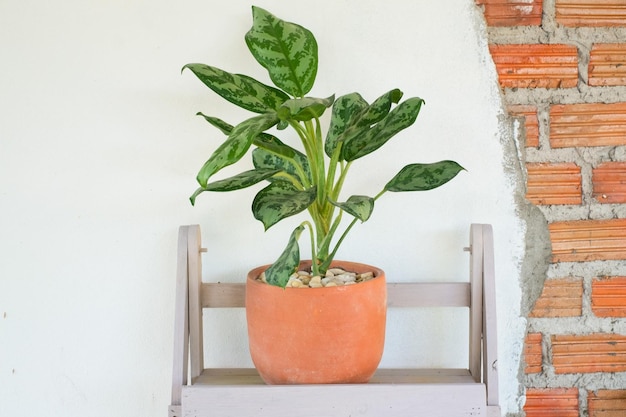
(359, 206)
(398, 119)
(303, 109)
(423, 177)
(279, 200)
(241, 90)
(355, 117)
(195, 195)
(224, 127)
(274, 145)
(236, 145)
(376, 111)
(242, 180)
(287, 263)
(273, 154)
(344, 109)
(287, 50)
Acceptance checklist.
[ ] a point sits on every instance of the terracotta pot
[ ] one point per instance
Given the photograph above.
(317, 335)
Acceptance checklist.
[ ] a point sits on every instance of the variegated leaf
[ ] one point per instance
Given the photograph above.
(241, 90)
(303, 109)
(273, 154)
(287, 50)
(280, 200)
(356, 117)
(237, 182)
(359, 206)
(344, 110)
(287, 263)
(401, 117)
(272, 144)
(423, 177)
(377, 111)
(236, 145)
(224, 127)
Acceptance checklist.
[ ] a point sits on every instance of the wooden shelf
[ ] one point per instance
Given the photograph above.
(249, 376)
(240, 392)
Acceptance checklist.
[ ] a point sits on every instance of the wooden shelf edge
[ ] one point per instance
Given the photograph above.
(396, 376)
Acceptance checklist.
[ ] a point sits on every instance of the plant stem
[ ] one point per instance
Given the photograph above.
(345, 232)
(314, 263)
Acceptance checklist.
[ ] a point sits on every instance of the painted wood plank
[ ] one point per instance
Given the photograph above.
(423, 294)
(174, 411)
(366, 400)
(223, 295)
(409, 294)
(490, 327)
(250, 376)
(181, 320)
(476, 308)
(195, 308)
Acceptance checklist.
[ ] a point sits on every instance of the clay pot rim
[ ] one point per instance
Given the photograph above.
(378, 274)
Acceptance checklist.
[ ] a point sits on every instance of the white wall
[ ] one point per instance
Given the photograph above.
(99, 147)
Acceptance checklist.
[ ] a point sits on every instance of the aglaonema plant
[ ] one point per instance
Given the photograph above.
(310, 176)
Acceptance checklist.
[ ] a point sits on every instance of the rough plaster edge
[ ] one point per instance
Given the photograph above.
(537, 248)
(537, 244)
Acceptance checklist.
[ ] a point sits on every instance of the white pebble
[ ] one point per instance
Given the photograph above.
(294, 283)
(315, 282)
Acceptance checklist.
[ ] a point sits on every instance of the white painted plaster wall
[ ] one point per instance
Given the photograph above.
(99, 147)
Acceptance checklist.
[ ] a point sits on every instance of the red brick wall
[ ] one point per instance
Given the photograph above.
(562, 69)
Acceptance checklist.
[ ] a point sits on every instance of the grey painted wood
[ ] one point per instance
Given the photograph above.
(490, 326)
(181, 320)
(249, 376)
(476, 309)
(364, 400)
(194, 266)
(406, 294)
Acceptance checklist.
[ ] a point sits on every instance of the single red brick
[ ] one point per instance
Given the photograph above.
(533, 354)
(531, 123)
(512, 12)
(554, 183)
(591, 13)
(608, 297)
(607, 64)
(536, 65)
(609, 182)
(600, 352)
(607, 403)
(560, 298)
(588, 240)
(551, 402)
(596, 124)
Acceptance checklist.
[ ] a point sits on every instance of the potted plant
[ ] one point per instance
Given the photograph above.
(308, 175)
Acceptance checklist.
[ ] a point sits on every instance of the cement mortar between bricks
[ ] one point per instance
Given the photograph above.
(536, 266)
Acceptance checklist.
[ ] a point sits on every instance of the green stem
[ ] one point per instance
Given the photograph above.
(291, 179)
(317, 158)
(345, 232)
(314, 261)
(343, 236)
(380, 194)
(340, 181)
(323, 248)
